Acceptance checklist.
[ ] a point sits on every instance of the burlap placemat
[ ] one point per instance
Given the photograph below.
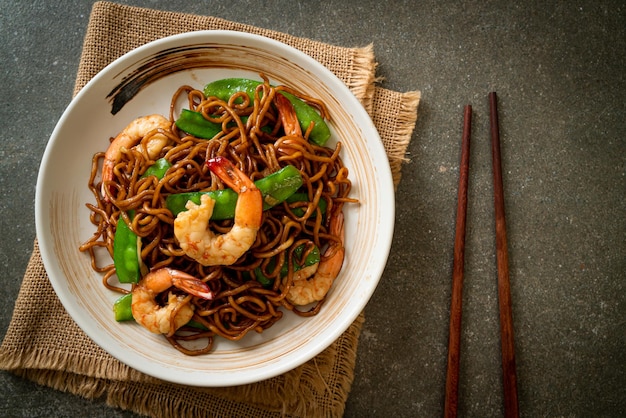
(44, 344)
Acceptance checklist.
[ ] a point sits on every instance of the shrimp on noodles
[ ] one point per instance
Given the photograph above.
(307, 289)
(312, 283)
(191, 226)
(212, 267)
(177, 312)
(130, 136)
(288, 117)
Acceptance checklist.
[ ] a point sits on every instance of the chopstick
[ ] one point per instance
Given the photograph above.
(509, 375)
(454, 342)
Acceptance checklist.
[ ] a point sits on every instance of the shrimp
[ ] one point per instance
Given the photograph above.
(312, 283)
(287, 115)
(306, 289)
(130, 136)
(167, 319)
(191, 227)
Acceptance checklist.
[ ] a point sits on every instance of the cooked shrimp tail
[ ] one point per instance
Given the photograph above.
(307, 289)
(191, 285)
(130, 136)
(288, 116)
(178, 311)
(191, 227)
(229, 174)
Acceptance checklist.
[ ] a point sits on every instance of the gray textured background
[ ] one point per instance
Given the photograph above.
(558, 68)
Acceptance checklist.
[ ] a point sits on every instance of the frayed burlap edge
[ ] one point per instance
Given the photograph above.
(363, 84)
(156, 398)
(407, 118)
(394, 115)
(31, 349)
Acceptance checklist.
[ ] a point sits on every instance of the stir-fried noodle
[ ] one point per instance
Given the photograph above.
(253, 140)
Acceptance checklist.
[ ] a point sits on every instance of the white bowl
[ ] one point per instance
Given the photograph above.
(63, 220)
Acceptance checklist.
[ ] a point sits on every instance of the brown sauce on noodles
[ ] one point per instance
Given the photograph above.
(240, 304)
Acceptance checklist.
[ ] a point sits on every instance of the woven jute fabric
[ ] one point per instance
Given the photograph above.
(44, 344)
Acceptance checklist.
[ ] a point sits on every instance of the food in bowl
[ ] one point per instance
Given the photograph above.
(220, 218)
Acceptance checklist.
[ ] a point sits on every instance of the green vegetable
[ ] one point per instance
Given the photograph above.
(304, 197)
(158, 169)
(307, 114)
(122, 309)
(195, 124)
(125, 253)
(196, 324)
(125, 241)
(225, 88)
(313, 257)
(261, 278)
(275, 188)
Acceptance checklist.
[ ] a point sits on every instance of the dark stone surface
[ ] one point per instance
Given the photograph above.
(559, 70)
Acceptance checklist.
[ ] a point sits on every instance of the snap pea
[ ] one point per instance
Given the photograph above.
(313, 257)
(307, 114)
(225, 202)
(304, 197)
(122, 309)
(197, 325)
(275, 188)
(125, 241)
(195, 124)
(225, 88)
(158, 169)
(125, 253)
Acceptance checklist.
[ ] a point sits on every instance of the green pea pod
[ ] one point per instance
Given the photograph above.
(122, 308)
(225, 88)
(304, 197)
(225, 202)
(197, 325)
(313, 257)
(158, 169)
(275, 188)
(195, 124)
(261, 278)
(307, 114)
(125, 253)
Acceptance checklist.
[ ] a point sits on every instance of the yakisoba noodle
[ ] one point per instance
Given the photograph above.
(254, 140)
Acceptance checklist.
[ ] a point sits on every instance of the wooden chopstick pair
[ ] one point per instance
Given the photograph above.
(511, 407)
